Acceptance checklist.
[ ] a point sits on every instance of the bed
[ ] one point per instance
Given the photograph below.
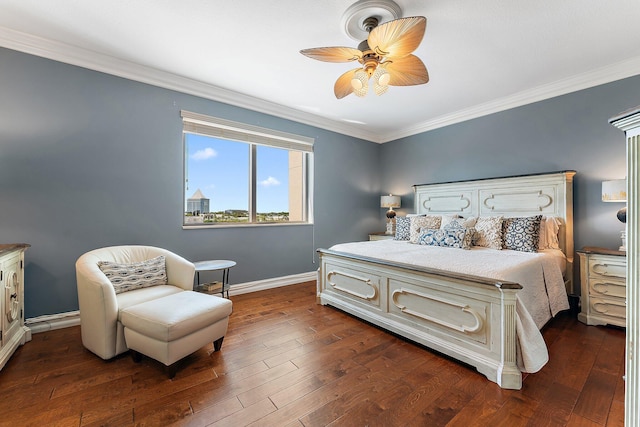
(484, 313)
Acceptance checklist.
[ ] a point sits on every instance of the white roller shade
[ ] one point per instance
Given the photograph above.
(227, 129)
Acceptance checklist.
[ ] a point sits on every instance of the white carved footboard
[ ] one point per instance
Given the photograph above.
(438, 310)
(469, 318)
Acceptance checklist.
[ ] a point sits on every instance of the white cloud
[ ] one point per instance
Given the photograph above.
(207, 153)
(269, 182)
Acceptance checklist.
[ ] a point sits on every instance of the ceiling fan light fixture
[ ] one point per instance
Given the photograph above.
(381, 76)
(386, 54)
(362, 92)
(381, 80)
(380, 89)
(360, 83)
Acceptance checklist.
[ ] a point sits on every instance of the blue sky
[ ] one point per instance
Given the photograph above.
(220, 169)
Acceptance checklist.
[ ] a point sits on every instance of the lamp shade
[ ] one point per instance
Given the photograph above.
(614, 190)
(389, 201)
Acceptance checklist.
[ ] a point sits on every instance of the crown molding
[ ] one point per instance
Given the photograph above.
(84, 58)
(617, 71)
(627, 120)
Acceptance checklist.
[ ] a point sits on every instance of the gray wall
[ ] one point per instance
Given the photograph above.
(569, 132)
(90, 160)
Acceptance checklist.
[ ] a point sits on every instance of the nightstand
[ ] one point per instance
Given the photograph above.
(603, 286)
(381, 236)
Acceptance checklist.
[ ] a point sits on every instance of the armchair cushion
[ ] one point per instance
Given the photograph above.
(137, 275)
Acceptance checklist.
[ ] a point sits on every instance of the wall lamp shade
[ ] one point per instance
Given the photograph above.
(390, 202)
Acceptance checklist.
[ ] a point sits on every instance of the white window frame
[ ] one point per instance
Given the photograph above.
(201, 124)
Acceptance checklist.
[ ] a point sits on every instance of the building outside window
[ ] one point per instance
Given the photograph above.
(198, 203)
(237, 174)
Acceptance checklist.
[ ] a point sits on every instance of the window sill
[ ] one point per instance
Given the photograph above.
(246, 225)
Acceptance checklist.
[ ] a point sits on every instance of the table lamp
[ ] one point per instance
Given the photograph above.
(390, 202)
(616, 191)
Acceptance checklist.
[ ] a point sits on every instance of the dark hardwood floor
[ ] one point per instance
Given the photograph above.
(289, 362)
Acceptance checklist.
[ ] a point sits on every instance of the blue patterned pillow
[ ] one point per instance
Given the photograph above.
(469, 231)
(521, 234)
(449, 237)
(403, 228)
(418, 223)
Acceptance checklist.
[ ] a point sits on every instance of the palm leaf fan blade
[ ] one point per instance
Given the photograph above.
(398, 38)
(333, 54)
(343, 86)
(407, 71)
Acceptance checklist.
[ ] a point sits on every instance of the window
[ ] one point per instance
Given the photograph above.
(237, 174)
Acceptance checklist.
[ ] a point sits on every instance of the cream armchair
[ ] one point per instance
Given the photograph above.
(100, 307)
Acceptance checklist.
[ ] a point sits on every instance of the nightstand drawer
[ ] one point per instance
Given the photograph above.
(608, 288)
(607, 267)
(605, 308)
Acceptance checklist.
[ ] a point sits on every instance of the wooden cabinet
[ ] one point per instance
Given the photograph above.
(603, 279)
(13, 332)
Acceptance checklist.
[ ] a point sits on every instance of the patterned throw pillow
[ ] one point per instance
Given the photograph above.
(488, 232)
(469, 231)
(522, 234)
(445, 237)
(420, 222)
(457, 221)
(403, 228)
(137, 275)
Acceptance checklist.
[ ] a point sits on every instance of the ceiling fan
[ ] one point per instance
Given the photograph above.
(385, 56)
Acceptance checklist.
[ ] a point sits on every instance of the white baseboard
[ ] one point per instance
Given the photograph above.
(261, 285)
(50, 322)
(72, 318)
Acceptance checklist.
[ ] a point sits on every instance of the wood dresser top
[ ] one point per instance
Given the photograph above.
(602, 251)
(8, 247)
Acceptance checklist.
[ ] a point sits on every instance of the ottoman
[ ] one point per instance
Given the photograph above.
(172, 327)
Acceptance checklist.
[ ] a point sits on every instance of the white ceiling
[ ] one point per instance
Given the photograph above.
(483, 56)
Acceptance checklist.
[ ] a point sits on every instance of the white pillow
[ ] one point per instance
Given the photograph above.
(549, 228)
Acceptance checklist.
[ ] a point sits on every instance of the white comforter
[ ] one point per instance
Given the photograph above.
(540, 275)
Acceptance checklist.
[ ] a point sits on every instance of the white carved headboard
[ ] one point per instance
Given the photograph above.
(544, 194)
